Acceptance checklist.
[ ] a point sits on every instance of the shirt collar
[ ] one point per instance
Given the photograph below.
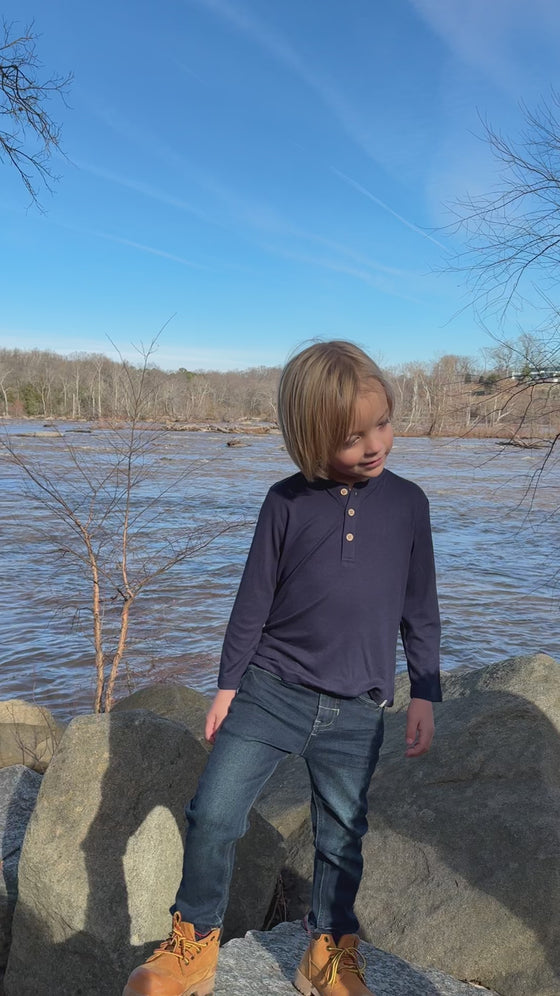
(324, 484)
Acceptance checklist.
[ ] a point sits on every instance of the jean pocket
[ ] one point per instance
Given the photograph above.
(371, 703)
(261, 672)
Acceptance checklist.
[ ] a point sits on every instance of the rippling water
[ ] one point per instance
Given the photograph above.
(496, 549)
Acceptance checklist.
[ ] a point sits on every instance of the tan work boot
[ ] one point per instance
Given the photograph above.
(182, 965)
(329, 969)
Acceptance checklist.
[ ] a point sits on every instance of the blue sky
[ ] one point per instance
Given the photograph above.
(263, 172)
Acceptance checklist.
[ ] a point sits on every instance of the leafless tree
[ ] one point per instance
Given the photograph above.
(106, 510)
(513, 233)
(28, 133)
(512, 261)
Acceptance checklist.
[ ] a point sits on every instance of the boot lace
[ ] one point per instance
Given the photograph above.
(346, 959)
(178, 945)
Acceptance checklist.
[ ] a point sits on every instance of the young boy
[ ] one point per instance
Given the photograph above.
(340, 560)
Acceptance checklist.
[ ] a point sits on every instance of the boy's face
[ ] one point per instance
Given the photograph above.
(364, 453)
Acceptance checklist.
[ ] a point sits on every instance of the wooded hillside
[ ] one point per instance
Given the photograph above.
(452, 395)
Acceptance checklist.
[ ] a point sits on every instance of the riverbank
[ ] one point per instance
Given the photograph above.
(526, 435)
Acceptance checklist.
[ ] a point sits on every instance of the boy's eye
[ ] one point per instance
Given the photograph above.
(351, 441)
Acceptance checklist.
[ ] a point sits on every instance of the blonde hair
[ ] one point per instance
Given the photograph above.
(317, 395)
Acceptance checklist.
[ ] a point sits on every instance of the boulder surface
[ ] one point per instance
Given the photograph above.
(171, 701)
(18, 793)
(462, 860)
(264, 963)
(28, 735)
(102, 856)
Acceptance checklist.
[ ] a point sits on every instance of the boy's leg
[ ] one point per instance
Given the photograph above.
(268, 719)
(217, 817)
(341, 758)
(236, 770)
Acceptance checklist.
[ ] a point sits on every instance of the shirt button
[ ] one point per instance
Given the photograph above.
(344, 491)
(351, 511)
(349, 537)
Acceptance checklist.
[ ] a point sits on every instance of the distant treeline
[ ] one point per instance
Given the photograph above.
(449, 396)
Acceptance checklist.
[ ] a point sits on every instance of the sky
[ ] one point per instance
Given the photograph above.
(252, 175)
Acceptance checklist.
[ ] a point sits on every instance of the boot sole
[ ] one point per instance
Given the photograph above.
(204, 988)
(304, 986)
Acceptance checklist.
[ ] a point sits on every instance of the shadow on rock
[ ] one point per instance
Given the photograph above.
(18, 794)
(103, 853)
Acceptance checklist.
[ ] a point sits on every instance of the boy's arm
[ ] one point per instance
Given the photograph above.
(420, 634)
(217, 713)
(419, 727)
(249, 613)
(255, 594)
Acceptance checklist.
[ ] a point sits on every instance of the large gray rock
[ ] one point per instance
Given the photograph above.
(462, 861)
(28, 735)
(172, 701)
(18, 793)
(102, 857)
(277, 954)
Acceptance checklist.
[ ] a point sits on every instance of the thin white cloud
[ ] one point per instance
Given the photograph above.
(149, 249)
(372, 264)
(376, 200)
(221, 196)
(229, 206)
(153, 250)
(485, 36)
(254, 215)
(272, 42)
(146, 189)
(372, 279)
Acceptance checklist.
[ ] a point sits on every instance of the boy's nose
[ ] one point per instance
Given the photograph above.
(373, 444)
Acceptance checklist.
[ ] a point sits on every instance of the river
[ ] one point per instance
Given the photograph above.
(496, 537)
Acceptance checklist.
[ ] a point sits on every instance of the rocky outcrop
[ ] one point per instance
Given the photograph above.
(28, 735)
(277, 954)
(18, 793)
(102, 856)
(462, 861)
(171, 701)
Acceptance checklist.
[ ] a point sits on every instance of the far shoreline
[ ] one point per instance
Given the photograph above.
(263, 427)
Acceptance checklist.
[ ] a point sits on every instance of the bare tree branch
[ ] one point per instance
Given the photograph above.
(28, 134)
(513, 233)
(512, 257)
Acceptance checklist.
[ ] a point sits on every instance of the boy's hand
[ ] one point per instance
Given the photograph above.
(419, 727)
(217, 713)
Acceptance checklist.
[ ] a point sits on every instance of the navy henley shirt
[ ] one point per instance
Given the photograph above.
(333, 573)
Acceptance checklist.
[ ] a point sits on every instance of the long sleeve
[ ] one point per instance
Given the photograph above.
(420, 624)
(255, 594)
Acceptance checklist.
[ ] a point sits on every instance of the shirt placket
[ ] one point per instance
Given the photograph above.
(350, 499)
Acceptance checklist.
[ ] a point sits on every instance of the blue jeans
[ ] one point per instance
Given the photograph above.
(268, 719)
